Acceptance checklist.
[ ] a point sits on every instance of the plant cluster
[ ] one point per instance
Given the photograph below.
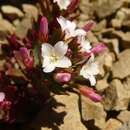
(55, 57)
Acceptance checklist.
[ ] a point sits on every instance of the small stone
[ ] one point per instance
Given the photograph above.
(108, 61)
(11, 12)
(126, 83)
(31, 10)
(106, 8)
(93, 111)
(124, 116)
(116, 23)
(23, 27)
(121, 69)
(16, 22)
(100, 26)
(6, 26)
(112, 124)
(1, 17)
(115, 45)
(92, 37)
(102, 84)
(116, 97)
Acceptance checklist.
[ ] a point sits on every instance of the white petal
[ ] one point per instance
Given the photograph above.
(92, 80)
(49, 68)
(60, 48)
(85, 46)
(95, 68)
(47, 49)
(63, 22)
(46, 61)
(64, 62)
(71, 25)
(80, 32)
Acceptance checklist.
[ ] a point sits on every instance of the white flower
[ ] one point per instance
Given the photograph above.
(89, 70)
(63, 4)
(70, 28)
(54, 56)
(85, 44)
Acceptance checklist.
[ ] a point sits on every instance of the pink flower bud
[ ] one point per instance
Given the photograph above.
(99, 48)
(63, 77)
(89, 25)
(90, 93)
(2, 96)
(27, 59)
(43, 32)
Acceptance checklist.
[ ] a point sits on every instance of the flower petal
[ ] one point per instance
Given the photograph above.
(63, 22)
(46, 62)
(47, 49)
(60, 48)
(92, 80)
(80, 32)
(64, 62)
(49, 68)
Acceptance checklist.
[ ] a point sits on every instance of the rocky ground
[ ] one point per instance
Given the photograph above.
(76, 112)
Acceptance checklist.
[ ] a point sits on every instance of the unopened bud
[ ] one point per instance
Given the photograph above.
(43, 32)
(90, 93)
(63, 77)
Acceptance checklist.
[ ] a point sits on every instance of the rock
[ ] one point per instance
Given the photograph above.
(126, 83)
(108, 61)
(6, 26)
(105, 8)
(121, 68)
(112, 124)
(124, 116)
(100, 26)
(11, 12)
(31, 10)
(125, 38)
(116, 23)
(116, 97)
(93, 111)
(115, 45)
(87, 9)
(126, 20)
(126, 126)
(23, 27)
(16, 22)
(1, 17)
(104, 63)
(92, 37)
(102, 84)
(64, 116)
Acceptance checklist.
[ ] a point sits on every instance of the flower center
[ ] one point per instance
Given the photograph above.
(54, 58)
